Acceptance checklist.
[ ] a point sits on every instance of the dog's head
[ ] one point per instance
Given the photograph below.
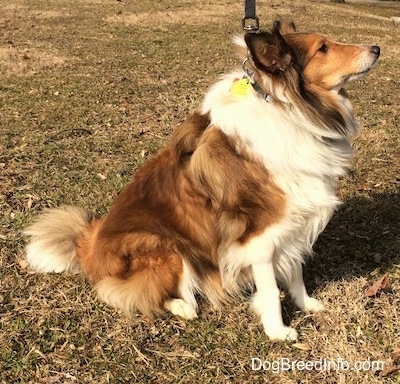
(322, 62)
(306, 69)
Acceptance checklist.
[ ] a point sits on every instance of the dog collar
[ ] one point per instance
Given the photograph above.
(264, 95)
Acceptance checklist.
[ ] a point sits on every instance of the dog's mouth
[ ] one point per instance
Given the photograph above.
(345, 79)
(355, 76)
(367, 65)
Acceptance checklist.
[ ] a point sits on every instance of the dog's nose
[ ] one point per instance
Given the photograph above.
(375, 49)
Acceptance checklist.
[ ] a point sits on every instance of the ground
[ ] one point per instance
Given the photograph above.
(89, 90)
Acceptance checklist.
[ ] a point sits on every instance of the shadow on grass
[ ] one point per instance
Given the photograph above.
(363, 235)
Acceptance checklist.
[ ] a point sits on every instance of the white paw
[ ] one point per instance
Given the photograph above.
(180, 308)
(313, 305)
(281, 333)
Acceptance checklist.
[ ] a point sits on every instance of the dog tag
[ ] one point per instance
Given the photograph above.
(241, 87)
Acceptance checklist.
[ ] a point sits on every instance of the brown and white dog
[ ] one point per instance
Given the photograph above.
(237, 197)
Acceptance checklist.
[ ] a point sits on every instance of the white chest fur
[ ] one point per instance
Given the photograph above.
(304, 164)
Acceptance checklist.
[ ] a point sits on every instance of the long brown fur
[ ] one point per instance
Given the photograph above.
(176, 208)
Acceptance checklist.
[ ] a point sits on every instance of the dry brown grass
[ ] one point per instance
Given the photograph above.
(89, 90)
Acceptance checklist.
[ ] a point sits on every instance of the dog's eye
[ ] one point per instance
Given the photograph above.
(323, 48)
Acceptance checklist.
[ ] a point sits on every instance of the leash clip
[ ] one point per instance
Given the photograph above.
(248, 72)
(250, 23)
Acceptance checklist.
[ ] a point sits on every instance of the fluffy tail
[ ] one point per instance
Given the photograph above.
(52, 239)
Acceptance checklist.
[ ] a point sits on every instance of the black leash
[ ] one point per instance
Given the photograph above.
(250, 20)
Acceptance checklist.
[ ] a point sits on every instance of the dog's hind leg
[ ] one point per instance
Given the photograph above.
(186, 305)
(180, 307)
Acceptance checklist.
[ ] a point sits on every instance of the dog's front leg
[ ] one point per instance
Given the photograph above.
(267, 303)
(299, 293)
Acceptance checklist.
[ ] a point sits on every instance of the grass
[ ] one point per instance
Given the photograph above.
(91, 89)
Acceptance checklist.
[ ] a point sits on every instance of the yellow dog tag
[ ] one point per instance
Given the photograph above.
(241, 87)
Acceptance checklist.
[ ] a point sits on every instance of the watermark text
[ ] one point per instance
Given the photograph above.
(323, 364)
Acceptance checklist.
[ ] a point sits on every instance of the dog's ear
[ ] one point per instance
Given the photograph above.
(283, 27)
(269, 51)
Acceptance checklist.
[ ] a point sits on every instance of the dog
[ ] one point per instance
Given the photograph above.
(237, 197)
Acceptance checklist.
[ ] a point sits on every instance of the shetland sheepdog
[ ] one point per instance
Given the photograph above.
(235, 199)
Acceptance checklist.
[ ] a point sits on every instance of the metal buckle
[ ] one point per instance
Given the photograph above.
(250, 23)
